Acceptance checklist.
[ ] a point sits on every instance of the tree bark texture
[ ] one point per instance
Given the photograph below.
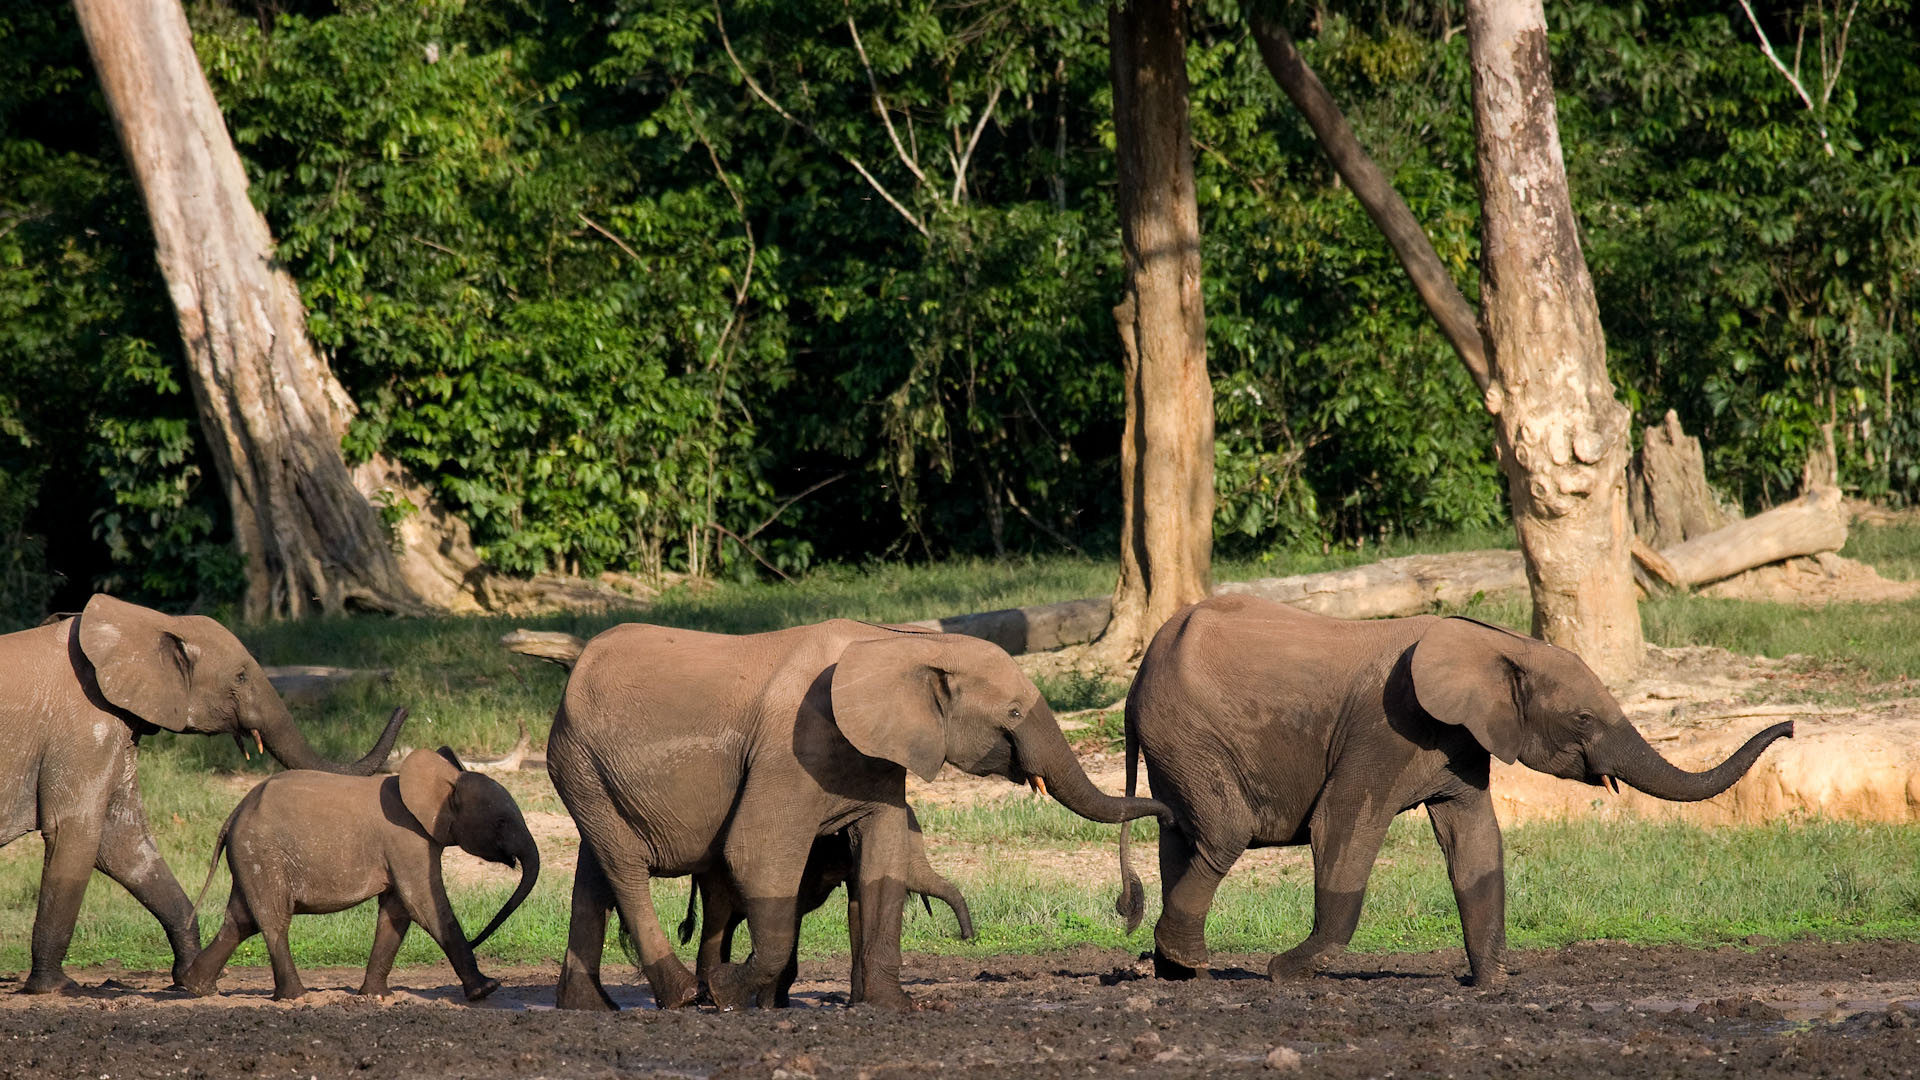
(1166, 540)
(1811, 524)
(1375, 192)
(269, 407)
(1667, 487)
(1562, 437)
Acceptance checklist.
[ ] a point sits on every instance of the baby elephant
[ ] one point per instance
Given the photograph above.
(307, 843)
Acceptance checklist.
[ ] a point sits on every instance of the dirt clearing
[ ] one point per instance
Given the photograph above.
(1793, 1009)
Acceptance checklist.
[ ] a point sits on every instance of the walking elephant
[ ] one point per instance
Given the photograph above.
(309, 843)
(1264, 726)
(679, 752)
(78, 695)
(830, 865)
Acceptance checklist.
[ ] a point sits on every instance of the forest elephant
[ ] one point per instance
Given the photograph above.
(1264, 726)
(80, 693)
(309, 843)
(679, 752)
(829, 865)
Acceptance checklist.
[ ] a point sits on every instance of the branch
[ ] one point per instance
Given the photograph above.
(748, 548)
(753, 85)
(597, 227)
(746, 226)
(973, 141)
(1792, 79)
(879, 104)
(782, 508)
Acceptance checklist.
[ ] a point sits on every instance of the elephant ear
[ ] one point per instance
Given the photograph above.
(1463, 673)
(427, 781)
(139, 662)
(889, 699)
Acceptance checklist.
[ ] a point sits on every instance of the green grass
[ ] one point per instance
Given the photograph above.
(1567, 882)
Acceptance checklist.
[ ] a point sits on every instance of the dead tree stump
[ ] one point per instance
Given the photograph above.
(1667, 490)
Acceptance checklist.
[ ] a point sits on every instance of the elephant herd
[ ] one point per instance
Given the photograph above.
(772, 767)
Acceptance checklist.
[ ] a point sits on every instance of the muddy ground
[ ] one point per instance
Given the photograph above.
(1794, 1009)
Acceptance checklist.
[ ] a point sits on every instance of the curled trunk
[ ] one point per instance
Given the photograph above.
(1627, 757)
(1040, 750)
(281, 737)
(939, 888)
(529, 859)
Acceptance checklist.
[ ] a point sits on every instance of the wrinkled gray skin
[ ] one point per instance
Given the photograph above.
(680, 752)
(309, 843)
(1264, 726)
(77, 696)
(830, 864)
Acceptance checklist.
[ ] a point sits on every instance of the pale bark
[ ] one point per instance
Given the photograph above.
(1667, 487)
(1809, 525)
(269, 407)
(1166, 540)
(1375, 193)
(1562, 437)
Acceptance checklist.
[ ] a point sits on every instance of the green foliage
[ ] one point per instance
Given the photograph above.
(635, 288)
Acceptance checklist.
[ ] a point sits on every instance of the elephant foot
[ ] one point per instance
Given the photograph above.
(673, 986)
(373, 991)
(1165, 967)
(199, 987)
(289, 993)
(481, 989)
(54, 982)
(1296, 964)
(730, 988)
(888, 998)
(578, 990)
(1492, 978)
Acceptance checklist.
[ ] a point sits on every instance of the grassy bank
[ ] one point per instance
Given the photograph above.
(1024, 865)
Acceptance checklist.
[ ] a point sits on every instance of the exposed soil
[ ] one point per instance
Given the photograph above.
(1796, 1009)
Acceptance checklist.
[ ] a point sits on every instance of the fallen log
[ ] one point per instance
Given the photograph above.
(301, 684)
(1408, 585)
(1031, 629)
(553, 646)
(1813, 523)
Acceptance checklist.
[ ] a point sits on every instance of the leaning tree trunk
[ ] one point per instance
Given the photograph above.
(1166, 452)
(1562, 437)
(270, 409)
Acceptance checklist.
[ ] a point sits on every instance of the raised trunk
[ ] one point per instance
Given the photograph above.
(1040, 750)
(528, 857)
(1562, 437)
(270, 410)
(1166, 453)
(1628, 757)
(282, 738)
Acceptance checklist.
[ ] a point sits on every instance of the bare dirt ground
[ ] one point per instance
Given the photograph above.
(1794, 1009)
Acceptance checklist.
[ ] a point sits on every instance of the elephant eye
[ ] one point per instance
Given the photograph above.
(1013, 712)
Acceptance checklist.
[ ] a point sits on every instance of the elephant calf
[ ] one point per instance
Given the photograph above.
(308, 843)
(1265, 726)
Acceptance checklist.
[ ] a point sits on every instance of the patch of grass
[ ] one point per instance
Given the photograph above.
(1893, 550)
(1859, 646)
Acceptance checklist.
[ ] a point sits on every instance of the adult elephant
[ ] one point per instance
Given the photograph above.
(1263, 725)
(78, 695)
(680, 752)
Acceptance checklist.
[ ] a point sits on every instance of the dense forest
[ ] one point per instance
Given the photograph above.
(633, 283)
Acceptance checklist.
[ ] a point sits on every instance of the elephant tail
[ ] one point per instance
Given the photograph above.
(1131, 904)
(688, 924)
(219, 845)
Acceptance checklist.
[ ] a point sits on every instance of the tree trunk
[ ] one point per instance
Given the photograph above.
(1667, 487)
(1562, 437)
(1376, 193)
(1166, 454)
(270, 409)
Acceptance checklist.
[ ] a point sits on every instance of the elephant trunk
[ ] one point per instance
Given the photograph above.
(1626, 756)
(271, 721)
(948, 894)
(1041, 751)
(528, 856)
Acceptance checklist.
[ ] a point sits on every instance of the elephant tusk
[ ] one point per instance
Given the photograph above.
(1038, 784)
(257, 744)
(242, 744)
(1614, 783)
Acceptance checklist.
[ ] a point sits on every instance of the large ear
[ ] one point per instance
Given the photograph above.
(890, 698)
(426, 790)
(1463, 674)
(139, 662)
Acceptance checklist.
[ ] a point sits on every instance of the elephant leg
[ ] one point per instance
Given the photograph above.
(856, 988)
(579, 986)
(274, 925)
(719, 917)
(426, 903)
(128, 856)
(389, 930)
(882, 858)
(624, 868)
(1190, 873)
(1469, 836)
(72, 849)
(1346, 839)
(203, 975)
(769, 892)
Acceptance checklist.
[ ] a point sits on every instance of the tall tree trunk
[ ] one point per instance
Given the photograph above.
(1562, 437)
(269, 407)
(1166, 453)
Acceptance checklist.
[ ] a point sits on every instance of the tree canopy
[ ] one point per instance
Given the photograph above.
(631, 283)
